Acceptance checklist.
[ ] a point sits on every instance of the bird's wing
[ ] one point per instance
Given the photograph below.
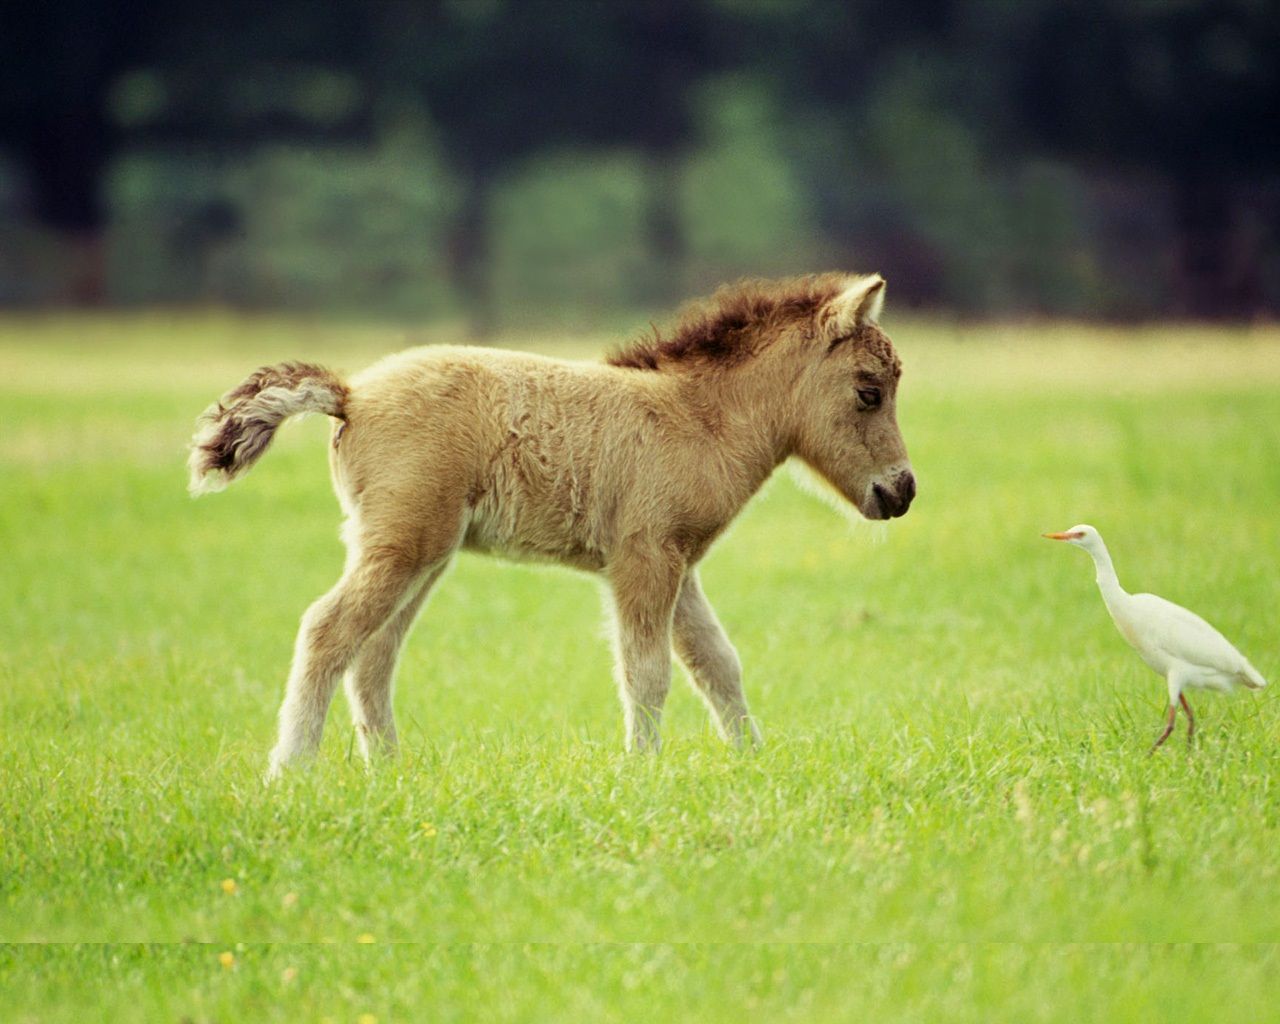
(1182, 634)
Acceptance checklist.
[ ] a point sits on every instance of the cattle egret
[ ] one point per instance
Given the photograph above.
(1176, 643)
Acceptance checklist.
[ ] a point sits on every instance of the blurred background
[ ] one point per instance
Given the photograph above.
(560, 163)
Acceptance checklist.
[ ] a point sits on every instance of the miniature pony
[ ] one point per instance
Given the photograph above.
(629, 468)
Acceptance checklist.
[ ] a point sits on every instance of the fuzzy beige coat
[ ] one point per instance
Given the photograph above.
(629, 468)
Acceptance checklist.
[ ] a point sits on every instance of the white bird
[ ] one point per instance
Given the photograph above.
(1176, 643)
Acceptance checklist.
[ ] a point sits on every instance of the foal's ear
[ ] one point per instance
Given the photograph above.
(858, 304)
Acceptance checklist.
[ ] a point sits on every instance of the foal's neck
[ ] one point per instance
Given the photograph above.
(744, 409)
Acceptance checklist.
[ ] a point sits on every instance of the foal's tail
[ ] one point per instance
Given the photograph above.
(232, 433)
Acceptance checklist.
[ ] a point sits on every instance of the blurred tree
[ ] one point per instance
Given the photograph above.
(84, 79)
(920, 128)
(671, 47)
(1189, 89)
(59, 61)
(505, 80)
(873, 129)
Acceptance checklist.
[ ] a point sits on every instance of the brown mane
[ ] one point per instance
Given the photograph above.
(722, 329)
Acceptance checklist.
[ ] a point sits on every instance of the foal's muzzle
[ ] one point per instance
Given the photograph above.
(894, 500)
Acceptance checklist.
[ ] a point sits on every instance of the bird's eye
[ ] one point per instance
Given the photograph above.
(869, 397)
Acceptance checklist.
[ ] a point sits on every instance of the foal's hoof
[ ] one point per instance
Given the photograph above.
(275, 768)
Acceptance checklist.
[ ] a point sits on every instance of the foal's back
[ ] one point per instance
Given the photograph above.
(533, 451)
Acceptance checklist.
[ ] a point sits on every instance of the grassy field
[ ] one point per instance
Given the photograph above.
(955, 734)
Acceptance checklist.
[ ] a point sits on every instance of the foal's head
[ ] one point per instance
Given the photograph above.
(845, 402)
(810, 348)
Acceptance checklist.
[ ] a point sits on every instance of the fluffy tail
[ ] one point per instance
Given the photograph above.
(233, 433)
(1252, 678)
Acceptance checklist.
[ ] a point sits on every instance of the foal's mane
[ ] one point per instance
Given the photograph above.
(723, 329)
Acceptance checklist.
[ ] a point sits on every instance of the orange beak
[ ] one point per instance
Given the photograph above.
(1063, 536)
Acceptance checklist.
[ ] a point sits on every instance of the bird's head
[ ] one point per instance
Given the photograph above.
(1082, 536)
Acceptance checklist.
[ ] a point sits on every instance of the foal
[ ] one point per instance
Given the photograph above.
(629, 468)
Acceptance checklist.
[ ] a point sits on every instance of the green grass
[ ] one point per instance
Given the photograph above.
(955, 735)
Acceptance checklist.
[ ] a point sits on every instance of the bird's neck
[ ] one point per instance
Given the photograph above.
(1108, 582)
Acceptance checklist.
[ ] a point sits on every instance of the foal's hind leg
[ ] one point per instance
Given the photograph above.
(713, 664)
(332, 632)
(393, 551)
(370, 680)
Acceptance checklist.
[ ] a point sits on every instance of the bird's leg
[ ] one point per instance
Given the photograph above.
(1191, 719)
(1168, 728)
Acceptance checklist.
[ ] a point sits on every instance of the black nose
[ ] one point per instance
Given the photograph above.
(896, 502)
(906, 487)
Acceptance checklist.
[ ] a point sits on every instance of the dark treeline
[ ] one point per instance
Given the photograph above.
(1111, 158)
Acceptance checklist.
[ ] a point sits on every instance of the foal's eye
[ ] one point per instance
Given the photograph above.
(869, 397)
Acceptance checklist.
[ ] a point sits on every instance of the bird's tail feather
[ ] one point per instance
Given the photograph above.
(1252, 678)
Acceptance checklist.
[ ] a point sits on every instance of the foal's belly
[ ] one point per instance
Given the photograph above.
(538, 500)
(534, 543)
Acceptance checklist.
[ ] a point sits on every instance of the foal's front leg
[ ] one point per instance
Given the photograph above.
(645, 584)
(713, 664)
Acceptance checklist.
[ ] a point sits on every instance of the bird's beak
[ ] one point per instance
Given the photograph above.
(1063, 536)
